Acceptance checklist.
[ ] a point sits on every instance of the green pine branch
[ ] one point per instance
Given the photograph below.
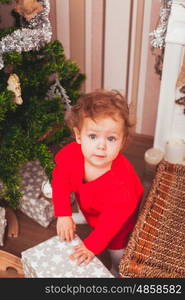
(24, 128)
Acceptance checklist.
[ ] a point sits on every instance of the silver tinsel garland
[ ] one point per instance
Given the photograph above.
(159, 33)
(57, 90)
(33, 35)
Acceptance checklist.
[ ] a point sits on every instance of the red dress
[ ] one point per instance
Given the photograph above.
(109, 203)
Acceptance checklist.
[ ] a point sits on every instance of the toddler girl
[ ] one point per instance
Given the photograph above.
(106, 186)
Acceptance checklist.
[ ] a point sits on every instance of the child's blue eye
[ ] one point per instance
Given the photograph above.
(111, 138)
(92, 136)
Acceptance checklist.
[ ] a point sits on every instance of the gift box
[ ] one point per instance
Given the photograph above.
(3, 223)
(50, 259)
(33, 203)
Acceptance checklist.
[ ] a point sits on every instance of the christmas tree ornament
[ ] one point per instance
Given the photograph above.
(28, 8)
(57, 90)
(15, 87)
(34, 34)
(46, 189)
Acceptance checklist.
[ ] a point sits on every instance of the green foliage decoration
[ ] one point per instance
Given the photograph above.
(25, 130)
(5, 1)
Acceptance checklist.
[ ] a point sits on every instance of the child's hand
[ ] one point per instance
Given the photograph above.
(66, 228)
(82, 254)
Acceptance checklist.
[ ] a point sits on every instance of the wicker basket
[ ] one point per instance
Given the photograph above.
(156, 247)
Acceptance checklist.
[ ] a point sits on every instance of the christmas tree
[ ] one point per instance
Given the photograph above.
(36, 83)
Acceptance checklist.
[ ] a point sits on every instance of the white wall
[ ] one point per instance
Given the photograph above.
(113, 50)
(116, 44)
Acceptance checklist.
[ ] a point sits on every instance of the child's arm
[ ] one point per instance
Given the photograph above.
(82, 254)
(66, 228)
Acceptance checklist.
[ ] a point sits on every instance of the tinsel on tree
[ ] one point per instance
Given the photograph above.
(46, 80)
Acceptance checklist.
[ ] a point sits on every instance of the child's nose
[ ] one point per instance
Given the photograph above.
(102, 144)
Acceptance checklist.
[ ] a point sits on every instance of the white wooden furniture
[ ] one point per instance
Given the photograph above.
(170, 124)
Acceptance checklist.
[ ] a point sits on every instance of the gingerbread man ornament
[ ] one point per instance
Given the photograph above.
(28, 8)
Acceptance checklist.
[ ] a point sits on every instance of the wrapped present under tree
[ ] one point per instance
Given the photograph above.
(33, 203)
(51, 259)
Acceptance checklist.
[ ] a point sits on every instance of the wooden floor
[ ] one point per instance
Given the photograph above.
(31, 233)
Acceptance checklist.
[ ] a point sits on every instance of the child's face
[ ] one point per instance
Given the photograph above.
(100, 140)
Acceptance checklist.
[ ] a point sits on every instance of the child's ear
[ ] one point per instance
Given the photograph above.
(124, 143)
(77, 135)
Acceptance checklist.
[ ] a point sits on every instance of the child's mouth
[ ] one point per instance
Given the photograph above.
(100, 156)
